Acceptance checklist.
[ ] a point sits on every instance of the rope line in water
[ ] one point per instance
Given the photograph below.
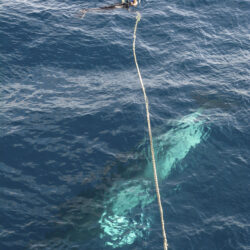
(165, 243)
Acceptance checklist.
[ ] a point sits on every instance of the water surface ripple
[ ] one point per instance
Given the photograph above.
(73, 124)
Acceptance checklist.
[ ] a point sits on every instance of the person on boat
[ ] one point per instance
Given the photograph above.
(124, 4)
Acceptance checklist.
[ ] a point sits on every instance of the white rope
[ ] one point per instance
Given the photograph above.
(165, 243)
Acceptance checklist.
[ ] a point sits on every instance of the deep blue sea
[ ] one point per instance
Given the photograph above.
(75, 165)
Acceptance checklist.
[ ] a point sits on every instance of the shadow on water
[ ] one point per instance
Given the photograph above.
(117, 210)
(212, 101)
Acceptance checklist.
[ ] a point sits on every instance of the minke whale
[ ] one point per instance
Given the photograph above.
(119, 213)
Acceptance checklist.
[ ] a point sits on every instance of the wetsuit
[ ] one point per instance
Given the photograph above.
(125, 4)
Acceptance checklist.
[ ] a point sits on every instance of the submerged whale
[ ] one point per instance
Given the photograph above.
(123, 219)
(119, 215)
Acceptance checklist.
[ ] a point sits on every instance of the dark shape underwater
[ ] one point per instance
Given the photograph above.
(117, 213)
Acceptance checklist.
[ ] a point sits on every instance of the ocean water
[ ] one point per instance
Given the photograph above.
(75, 167)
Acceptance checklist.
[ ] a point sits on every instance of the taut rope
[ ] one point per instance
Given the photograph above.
(165, 243)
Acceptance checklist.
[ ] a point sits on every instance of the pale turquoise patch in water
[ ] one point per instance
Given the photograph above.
(123, 219)
(173, 146)
(120, 222)
(130, 194)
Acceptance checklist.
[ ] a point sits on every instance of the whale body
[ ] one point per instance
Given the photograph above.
(120, 214)
(123, 219)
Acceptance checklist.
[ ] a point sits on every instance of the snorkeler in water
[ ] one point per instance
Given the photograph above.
(124, 4)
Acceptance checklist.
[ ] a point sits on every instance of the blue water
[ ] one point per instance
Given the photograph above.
(74, 160)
